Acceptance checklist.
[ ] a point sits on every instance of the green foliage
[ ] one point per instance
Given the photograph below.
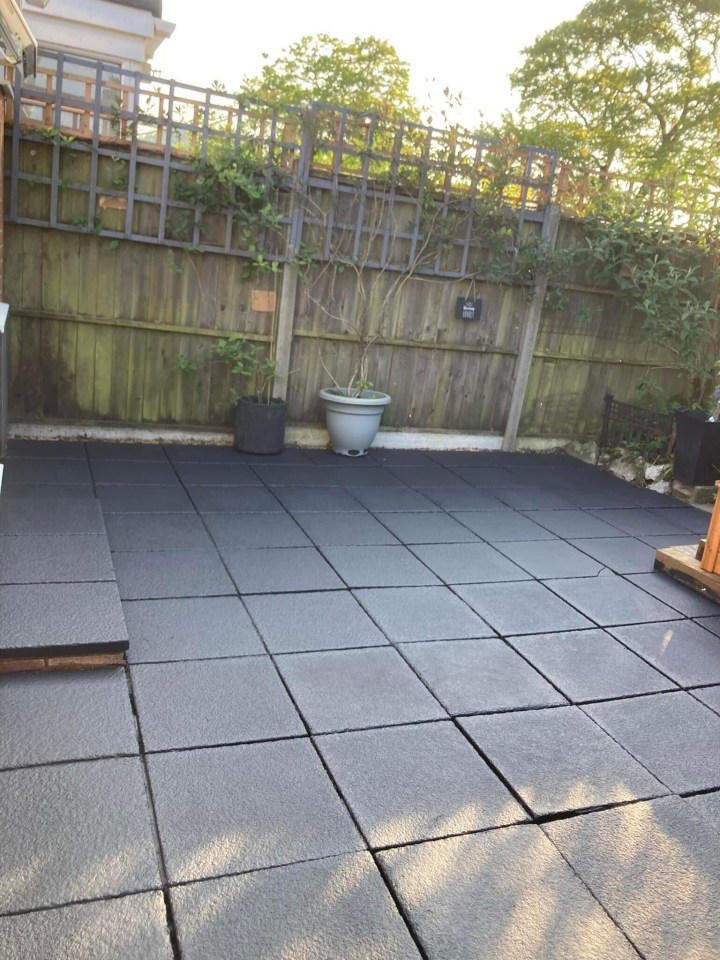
(246, 359)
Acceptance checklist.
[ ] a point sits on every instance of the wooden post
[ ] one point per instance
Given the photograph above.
(524, 360)
(286, 320)
(712, 542)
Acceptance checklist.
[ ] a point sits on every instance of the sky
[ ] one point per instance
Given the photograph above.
(469, 47)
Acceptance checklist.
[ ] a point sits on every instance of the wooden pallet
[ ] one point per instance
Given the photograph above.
(87, 661)
(683, 565)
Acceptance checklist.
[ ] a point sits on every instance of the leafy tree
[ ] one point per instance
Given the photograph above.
(366, 75)
(628, 85)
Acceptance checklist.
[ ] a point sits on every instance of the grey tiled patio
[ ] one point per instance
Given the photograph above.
(416, 706)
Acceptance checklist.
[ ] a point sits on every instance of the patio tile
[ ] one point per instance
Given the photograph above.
(202, 453)
(502, 895)
(104, 450)
(293, 622)
(39, 493)
(532, 498)
(665, 540)
(573, 524)
(54, 559)
(351, 689)
(487, 476)
(523, 607)
(590, 665)
(683, 650)
(290, 456)
(710, 696)
(144, 499)
(710, 623)
(189, 629)
(459, 499)
(74, 831)
(239, 808)
(429, 475)
(45, 470)
(325, 910)
(218, 474)
(707, 806)
(429, 528)
(379, 567)
(689, 518)
(416, 783)
(175, 573)
(65, 716)
(401, 458)
(52, 618)
(317, 500)
(234, 500)
(132, 472)
(674, 736)
(203, 702)
(125, 928)
(598, 498)
(479, 676)
(392, 500)
(44, 517)
(255, 530)
(545, 559)
(367, 475)
(328, 458)
(639, 522)
(468, 563)
(342, 529)
(611, 600)
(407, 614)
(559, 760)
(654, 867)
(621, 554)
(55, 449)
(504, 525)
(283, 570)
(675, 594)
(160, 531)
(469, 458)
(296, 476)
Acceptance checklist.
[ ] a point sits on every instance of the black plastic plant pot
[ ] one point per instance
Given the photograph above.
(260, 426)
(697, 448)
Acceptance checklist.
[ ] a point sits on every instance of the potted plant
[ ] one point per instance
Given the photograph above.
(259, 417)
(696, 457)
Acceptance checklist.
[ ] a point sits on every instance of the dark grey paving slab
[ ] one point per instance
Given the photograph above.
(532, 498)
(144, 499)
(432, 475)
(255, 530)
(44, 470)
(296, 476)
(317, 500)
(574, 524)
(39, 493)
(590, 665)
(689, 518)
(522, 607)
(392, 500)
(487, 476)
(683, 650)
(283, 570)
(501, 895)
(710, 696)
(197, 453)
(706, 805)
(239, 808)
(133, 472)
(611, 600)
(416, 783)
(598, 498)
(675, 594)
(324, 910)
(328, 458)
(674, 736)
(293, 622)
(710, 623)
(559, 760)
(468, 563)
(502, 525)
(55, 449)
(460, 499)
(368, 475)
(74, 831)
(379, 567)
(203, 702)
(189, 629)
(470, 458)
(408, 614)
(124, 928)
(621, 554)
(654, 867)
(173, 573)
(157, 531)
(343, 529)
(65, 716)
(104, 450)
(289, 456)
(639, 522)
(51, 618)
(350, 689)
(54, 559)
(234, 500)
(21, 516)
(545, 559)
(429, 528)
(671, 541)
(404, 458)
(479, 676)
(218, 474)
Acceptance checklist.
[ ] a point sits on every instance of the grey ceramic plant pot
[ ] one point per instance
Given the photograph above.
(352, 422)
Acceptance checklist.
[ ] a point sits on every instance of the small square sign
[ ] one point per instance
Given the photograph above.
(467, 309)
(262, 301)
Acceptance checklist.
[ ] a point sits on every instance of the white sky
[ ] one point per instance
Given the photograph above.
(470, 47)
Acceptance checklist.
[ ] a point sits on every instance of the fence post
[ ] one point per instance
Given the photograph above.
(524, 360)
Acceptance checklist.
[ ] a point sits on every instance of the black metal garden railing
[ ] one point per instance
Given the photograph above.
(625, 424)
